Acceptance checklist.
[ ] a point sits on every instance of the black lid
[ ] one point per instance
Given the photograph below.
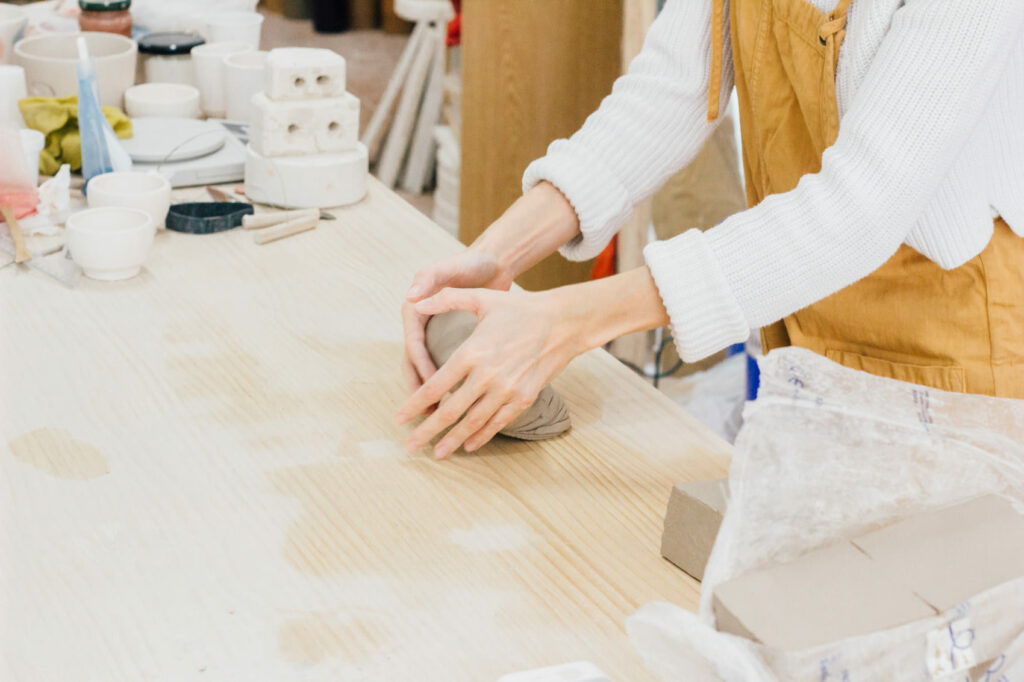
(104, 5)
(169, 43)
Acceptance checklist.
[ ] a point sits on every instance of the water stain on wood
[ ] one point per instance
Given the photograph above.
(338, 530)
(316, 637)
(58, 453)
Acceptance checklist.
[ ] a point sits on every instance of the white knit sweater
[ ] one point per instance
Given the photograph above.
(930, 149)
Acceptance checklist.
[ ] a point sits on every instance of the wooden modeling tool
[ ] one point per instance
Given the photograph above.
(220, 195)
(261, 220)
(21, 253)
(286, 229)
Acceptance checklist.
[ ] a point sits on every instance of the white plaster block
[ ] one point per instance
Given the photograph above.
(290, 128)
(304, 73)
(336, 125)
(311, 181)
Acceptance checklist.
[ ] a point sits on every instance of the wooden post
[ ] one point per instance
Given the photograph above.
(532, 71)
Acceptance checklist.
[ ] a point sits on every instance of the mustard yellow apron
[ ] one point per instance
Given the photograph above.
(956, 330)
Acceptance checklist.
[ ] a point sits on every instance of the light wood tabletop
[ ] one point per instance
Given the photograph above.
(202, 480)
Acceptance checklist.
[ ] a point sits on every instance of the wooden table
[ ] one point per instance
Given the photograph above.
(201, 480)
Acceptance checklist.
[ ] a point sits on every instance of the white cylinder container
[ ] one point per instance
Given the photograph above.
(311, 181)
(167, 58)
(32, 141)
(12, 88)
(208, 65)
(243, 78)
(243, 27)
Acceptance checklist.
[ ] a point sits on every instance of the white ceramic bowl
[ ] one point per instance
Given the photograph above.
(110, 243)
(50, 59)
(171, 100)
(147, 192)
(208, 62)
(12, 25)
(243, 27)
(243, 78)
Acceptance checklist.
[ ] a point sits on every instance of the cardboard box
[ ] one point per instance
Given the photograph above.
(695, 511)
(916, 568)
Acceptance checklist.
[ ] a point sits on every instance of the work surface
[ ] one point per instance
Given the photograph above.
(202, 480)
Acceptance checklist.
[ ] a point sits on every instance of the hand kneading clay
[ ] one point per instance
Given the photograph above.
(546, 418)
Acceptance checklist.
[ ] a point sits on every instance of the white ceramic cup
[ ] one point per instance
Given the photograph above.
(12, 25)
(243, 78)
(12, 88)
(110, 243)
(32, 141)
(147, 192)
(172, 100)
(49, 60)
(208, 62)
(231, 27)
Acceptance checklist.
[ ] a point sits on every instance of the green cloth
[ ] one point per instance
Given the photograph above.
(57, 118)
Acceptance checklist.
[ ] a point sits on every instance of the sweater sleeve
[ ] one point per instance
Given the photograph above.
(923, 94)
(651, 125)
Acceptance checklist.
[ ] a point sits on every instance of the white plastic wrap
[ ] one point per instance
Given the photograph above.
(826, 453)
(161, 16)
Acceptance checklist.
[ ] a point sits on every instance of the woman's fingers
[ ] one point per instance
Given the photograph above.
(416, 352)
(477, 416)
(446, 414)
(469, 300)
(412, 377)
(433, 389)
(428, 280)
(468, 269)
(502, 418)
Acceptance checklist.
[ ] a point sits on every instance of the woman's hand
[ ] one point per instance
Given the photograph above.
(531, 229)
(469, 269)
(522, 340)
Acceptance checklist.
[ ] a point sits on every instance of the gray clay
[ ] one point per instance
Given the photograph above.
(546, 418)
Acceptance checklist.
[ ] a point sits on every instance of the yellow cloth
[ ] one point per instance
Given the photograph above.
(956, 330)
(57, 118)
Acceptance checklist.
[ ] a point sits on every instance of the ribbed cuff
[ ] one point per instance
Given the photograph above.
(705, 315)
(598, 197)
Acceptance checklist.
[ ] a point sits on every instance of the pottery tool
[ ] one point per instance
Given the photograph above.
(286, 229)
(53, 263)
(220, 195)
(261, 220)
(21, 254)
(18, 195)
(207, 217)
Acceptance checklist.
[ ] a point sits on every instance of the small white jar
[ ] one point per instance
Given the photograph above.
(167, 57)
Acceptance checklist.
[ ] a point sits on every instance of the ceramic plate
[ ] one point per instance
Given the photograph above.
(162, 140)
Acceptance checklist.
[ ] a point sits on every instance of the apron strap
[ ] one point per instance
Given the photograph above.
(715, 79)
(836, 21)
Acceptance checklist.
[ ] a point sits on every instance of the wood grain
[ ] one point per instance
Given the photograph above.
(532, 71)
(239, 506)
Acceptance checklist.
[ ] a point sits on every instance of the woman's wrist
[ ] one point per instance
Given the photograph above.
(599, 311)
(530, 230)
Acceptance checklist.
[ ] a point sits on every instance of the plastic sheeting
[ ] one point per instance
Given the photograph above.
(161, 16)
(827, 453)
